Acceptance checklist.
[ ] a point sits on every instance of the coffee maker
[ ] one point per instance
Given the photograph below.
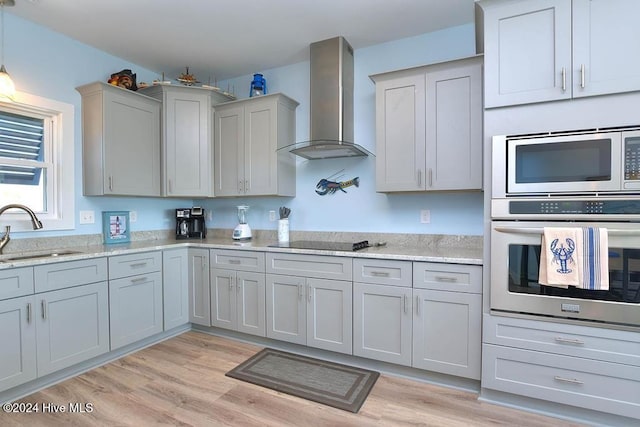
(190, 223)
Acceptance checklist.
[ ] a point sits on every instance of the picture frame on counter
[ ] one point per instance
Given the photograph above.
(115, 227)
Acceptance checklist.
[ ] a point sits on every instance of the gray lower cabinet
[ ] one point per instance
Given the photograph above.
(309, 300)
(577, 365)
(72, 325)
(382, 322)
(199, 303)
(238, 301)
(18, 350)
(135, 297)
(447, 318)
(175, 287)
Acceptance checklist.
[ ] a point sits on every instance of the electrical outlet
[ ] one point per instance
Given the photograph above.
(425, 216)
(87, 217)
(133, 216)
(272, 215)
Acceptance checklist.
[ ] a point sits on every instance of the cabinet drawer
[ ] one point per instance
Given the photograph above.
(317, 266)
(238, 260)
(382, 272)
(130, 265)
(447, 277)
(16, 282)
(593, 384)
(50, 277)
(571, 340)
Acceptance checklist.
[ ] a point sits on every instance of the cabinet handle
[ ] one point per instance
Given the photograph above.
(380, 273)
(234, 261)
(230, 283)
(300, 292)
(564, 79)
(28, 312)
(246, 186)
(110, 183)
(139, 279)
(582, 76)
(238, 286)
(43, 304)
(239, 187)
(405, 304)
(170, 187)
(568, 380)
(138, 264)
(430, 177)
(446, 279)
(419, 177)
(309, 293)
(417, 305)
(563, 340)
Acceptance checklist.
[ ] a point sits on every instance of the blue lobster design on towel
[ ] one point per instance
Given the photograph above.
(563, 255)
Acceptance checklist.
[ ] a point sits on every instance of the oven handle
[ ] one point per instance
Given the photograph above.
(532, 230)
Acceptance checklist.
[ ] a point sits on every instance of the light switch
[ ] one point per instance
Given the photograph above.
(87, 217)
(425, 216)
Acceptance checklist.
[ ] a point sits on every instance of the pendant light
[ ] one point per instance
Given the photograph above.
(7, 88)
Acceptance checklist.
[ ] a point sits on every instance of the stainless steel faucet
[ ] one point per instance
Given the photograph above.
(34, 220)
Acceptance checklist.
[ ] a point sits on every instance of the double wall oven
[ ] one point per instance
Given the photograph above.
(588, 178)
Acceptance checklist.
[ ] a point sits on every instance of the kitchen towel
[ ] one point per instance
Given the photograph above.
(575, 257)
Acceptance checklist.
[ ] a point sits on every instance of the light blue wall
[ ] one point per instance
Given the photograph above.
(63, 64)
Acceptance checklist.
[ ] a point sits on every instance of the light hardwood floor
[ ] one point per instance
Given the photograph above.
(181, 382)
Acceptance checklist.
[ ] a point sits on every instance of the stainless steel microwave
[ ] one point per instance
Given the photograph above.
(588, 162)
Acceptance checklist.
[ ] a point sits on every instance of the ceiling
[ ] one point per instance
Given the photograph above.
(219, 39)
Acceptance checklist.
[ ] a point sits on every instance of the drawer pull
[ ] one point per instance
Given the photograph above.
(568, 380)
(380, 273)
(139, 264)
(234, 261)
(563, 340)
(446, 279)
(139, 279)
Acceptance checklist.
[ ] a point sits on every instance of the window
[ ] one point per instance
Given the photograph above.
(36, 162)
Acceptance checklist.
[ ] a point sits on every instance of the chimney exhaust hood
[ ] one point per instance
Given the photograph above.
(331, 105)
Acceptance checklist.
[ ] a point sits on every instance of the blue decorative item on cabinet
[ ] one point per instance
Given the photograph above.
(258, 85)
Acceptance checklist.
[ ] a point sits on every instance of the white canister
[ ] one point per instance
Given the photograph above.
(283, 230)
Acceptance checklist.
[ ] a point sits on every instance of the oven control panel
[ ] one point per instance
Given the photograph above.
(575, 207)
(632, 159)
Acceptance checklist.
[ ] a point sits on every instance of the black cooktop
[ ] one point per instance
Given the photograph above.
(324, 246)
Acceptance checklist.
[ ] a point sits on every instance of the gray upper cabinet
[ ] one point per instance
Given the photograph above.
(247, 135)
(429, 127)
(186, 139)
(544, 50)
(120, 142)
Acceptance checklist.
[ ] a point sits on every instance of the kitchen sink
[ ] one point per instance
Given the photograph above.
(37, 255)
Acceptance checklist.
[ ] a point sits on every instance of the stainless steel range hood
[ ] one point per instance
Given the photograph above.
(331, 131)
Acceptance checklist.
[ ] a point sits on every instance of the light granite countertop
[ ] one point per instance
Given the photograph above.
(430, 248)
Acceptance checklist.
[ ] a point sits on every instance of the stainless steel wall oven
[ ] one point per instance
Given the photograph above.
(603, 192)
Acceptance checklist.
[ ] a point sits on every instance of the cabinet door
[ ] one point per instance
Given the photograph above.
(603, 31)
(446, 332)
(329, 315)
(175, 287)
(135, 308)
(382, 323)
(72, 326)
(131, 146)
(223, 299)
(187, 144)
(199, 304)
(454, 128)
(260, 131)
(286, 308)
(229, 151)
(400, 133)
(18, 336)
(250, 290)
(527, 52)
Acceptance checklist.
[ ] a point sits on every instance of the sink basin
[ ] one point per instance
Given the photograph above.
(38, 255)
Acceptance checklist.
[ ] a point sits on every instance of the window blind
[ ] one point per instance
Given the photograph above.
(22, 140)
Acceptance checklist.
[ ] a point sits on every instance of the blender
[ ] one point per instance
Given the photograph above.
(242, 230)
